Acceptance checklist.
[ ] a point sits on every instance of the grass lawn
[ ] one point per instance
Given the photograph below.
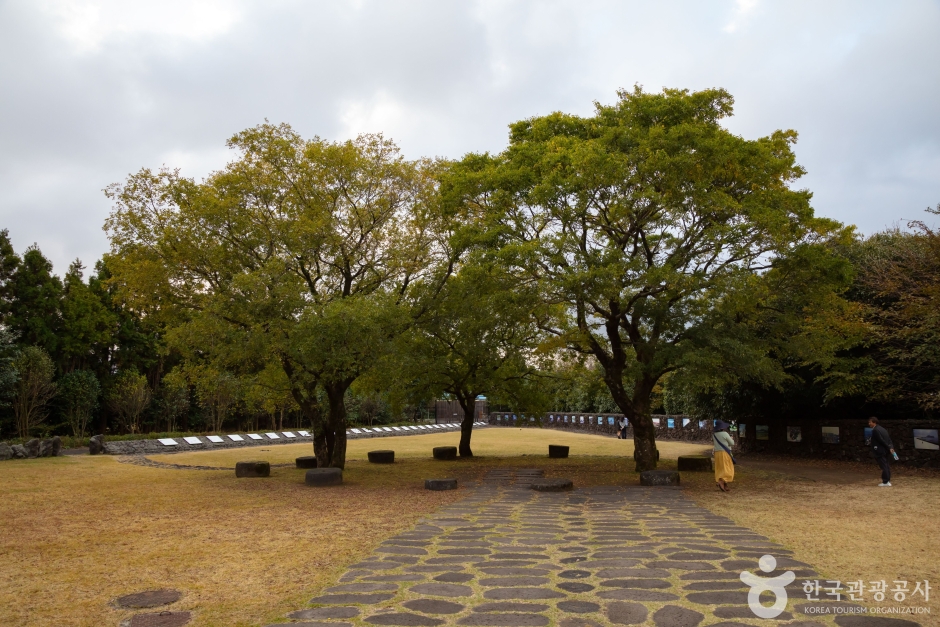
(79, 531)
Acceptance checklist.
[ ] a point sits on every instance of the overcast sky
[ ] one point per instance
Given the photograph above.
(91, 91)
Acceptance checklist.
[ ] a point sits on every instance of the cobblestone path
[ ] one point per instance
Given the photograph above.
(510, 556)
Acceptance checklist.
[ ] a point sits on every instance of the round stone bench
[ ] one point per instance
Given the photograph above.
(324, 477)
(445, 452)
(552, 485)
(695, 463)
(659, 478)
(557, 451)
(307, 461)
(440, 484)
(382, 457)
(253, 469)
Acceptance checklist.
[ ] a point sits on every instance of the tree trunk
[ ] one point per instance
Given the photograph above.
(467, 404)
(336, 422)
(637, 410)
(644, 433)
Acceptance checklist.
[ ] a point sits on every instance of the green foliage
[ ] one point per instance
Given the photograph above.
(86, 325)
(298, 251)
(898, 287)
(78, 394)
(650, 224)
(35, 309)
(33, 389)
(129, 397)
(9, 261)
(172, 401)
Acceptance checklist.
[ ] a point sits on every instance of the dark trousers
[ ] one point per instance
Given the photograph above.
(885, 468)
(623, 433)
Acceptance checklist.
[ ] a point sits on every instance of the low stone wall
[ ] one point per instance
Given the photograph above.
(682, 428)
(154, 447)
(782, 438)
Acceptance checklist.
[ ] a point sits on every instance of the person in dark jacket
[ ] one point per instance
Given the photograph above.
(622, 424)
(881, 447)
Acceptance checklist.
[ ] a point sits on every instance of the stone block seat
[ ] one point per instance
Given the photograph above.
(557, 451)
(307, 461)
(253, 469)
(445, 452)
(319, 477)
(381, 457)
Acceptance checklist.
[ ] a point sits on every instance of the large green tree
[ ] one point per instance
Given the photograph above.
(87, 324)
(645, 222)
(78, 393)
(9, 261)
(33, 389)
(301, 251)
(477, 335)
(35, 302)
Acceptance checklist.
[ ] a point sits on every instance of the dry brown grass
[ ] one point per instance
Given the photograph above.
(79, 531)
(850, 532)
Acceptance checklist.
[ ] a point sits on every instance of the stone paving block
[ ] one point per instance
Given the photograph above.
(673, 565)
(504, 594)
(314, 623)
(345, 599)
(434, 606)
(574, 574)
(498, 582)
(401, 550)
(573, 559)
(612, 563)
(158, 619)
(510, 606)
(627, 594)
(626, 613)
(403, 577)
(714, 585)
(578, 621)
(404, 619)
(148, 599)
(442, 589)
(504, 620)
(718, 598)
(642, 573)
(578, 607)
(736, 611)
(454, 577)
(675, 616)
(514, 571)
(326, 612)
(363, 587)
(643, 584)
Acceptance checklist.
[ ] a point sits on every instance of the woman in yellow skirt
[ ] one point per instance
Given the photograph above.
(724, 463)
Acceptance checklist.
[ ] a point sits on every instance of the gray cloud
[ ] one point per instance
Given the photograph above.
(89, 97)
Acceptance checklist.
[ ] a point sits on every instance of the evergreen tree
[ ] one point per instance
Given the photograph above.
(36, 299)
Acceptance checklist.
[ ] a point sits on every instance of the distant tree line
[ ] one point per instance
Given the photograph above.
(642, 259)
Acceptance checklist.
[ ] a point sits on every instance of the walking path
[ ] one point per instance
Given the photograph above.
(510, 556)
